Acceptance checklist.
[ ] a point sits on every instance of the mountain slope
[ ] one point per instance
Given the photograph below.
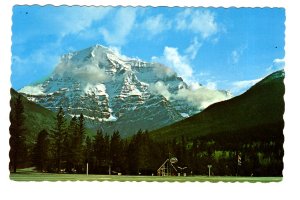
(261, 106)
(37, 118)
(116, 92)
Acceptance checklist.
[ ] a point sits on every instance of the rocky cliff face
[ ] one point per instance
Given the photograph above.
(115, 92)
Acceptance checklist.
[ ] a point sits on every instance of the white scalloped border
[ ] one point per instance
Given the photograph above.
(144, 190)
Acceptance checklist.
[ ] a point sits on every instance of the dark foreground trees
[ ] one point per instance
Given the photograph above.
(40, 154)
(18, 150)
(68, 144)
(67, 149)
(58, 139)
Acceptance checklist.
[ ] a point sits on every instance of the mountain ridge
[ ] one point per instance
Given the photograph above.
(112, 90)
(261, 105)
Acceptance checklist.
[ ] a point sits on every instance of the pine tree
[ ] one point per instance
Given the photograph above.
(99, 149)
(106, 149)
(142, 144)
(116, 151)
(58, 138)
(101, 152)
(143, 154)
(183, 153)
(17, 130)
(41, 151)
(81, 129)
(133, 154)
(79, 144)
(69, 144)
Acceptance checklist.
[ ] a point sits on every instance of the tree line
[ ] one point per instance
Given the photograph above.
(66, 148)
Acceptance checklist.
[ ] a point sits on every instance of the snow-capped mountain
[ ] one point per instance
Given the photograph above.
(119, 93)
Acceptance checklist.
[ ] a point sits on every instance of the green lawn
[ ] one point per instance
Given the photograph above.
(33, 176)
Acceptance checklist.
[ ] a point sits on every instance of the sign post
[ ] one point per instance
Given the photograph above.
(209, 166)
(87, 168)
(239, 163)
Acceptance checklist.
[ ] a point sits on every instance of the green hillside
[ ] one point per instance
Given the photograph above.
(261, 107)
(37, 118)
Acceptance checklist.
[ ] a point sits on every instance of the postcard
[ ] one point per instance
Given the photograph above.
(155, 94)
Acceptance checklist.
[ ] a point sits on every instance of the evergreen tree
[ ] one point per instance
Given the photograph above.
(41, 151)
(133, 154)
(58, 138)
(79, 144)
(142, 152)
(106, 149)
(81, 129)
(17, 138)
(116, 151)
(99, 149)
(70, 145)
(144, 156)
(183, 153)
(74, 149)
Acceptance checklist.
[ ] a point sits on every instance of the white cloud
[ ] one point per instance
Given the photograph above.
(193, 49)
(60, 22)
(200, 22)
(201, 97)
(194, 86)
(177, 62)
(162, 71)
(211, 85)
(195, 95)
(180, 63)
(181, 19)
(238, 87)
(42, 59)
(277, 64)
(90, 73)
(123, 22)
(86, 73)
(79, 18)
(156, 24)
(117, 51)
(235, 56)
(215, 40)
(237, 53)
(41, 64)
(160, 88)
(279, 61)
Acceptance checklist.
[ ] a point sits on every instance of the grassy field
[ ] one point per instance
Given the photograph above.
(33, 176)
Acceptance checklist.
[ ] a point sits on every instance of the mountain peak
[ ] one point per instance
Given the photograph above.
(277, 75)
(106, 86)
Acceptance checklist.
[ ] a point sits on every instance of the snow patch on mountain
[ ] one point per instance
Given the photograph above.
(185, 115)
(33, 90)
(97, 89)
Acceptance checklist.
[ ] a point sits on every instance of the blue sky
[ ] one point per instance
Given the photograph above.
(220, 48)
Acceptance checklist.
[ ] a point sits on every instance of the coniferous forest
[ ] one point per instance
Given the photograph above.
(242, 136)
(66, 148)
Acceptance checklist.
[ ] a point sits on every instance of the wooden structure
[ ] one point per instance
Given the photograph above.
(167, 169)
